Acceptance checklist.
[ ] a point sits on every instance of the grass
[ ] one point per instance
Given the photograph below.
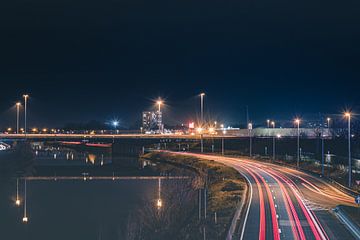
(225, 189)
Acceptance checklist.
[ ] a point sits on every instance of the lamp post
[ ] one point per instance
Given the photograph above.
(18, 104)
(297, 122)
(202, 107)
(25, 96)
(250, 126)
(268, 123)
(202, 118)
(322, 148)
(323, 145)
(115, 124)
(159, 103)
(273, 125)
(348, 116)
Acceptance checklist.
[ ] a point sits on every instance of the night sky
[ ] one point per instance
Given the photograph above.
(84, 60)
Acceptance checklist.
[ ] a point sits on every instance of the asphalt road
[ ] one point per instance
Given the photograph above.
(286, 203)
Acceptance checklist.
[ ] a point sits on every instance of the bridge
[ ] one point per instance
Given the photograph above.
(218, 134)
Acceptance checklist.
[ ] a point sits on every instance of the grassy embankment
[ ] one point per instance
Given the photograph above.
(225, 190)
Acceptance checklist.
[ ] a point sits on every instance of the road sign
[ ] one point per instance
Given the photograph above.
(357, 199)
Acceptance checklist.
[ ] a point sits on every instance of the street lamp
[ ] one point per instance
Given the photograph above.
(202, 107)
(159, 115)
(250, 126)
(159, 103)
(115, 124)
(268, 123)
(18, 104)
(25, 96)
(202, 119)
(297, 122)
(348, 116)
(273, 125)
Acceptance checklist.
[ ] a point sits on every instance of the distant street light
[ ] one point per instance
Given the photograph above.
(268, 123)
(273, 125)
(297, 122)
(159, 103)
(278, 136)
(202, 107)
(348, 116)
(202, 119)
(250, 127)
(115, 123)
(18, 104)
(25, 96)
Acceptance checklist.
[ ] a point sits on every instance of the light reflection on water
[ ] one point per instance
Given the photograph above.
(91, 209)
(45, 154)
(75, 209)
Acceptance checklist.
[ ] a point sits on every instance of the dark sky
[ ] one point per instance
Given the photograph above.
(83, 60)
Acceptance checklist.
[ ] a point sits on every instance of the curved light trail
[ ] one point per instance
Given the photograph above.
(280, 198)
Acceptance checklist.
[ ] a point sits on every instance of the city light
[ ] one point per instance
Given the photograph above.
(159, 103)
(211, 130)
(18, 104)
(25, 96)
(115, 123)
(347, 114)
(297, 121)
(17, 202)
(159, 203)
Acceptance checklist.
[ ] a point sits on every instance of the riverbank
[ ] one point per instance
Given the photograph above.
(224, 186)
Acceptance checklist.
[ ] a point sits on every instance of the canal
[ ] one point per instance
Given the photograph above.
(65, 197)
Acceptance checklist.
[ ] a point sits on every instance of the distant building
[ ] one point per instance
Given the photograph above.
(152, 121)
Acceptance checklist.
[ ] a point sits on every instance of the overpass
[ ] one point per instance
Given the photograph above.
(220, 134)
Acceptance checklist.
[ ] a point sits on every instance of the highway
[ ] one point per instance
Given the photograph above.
(286, 203)
(112, 136)
(87, 177)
